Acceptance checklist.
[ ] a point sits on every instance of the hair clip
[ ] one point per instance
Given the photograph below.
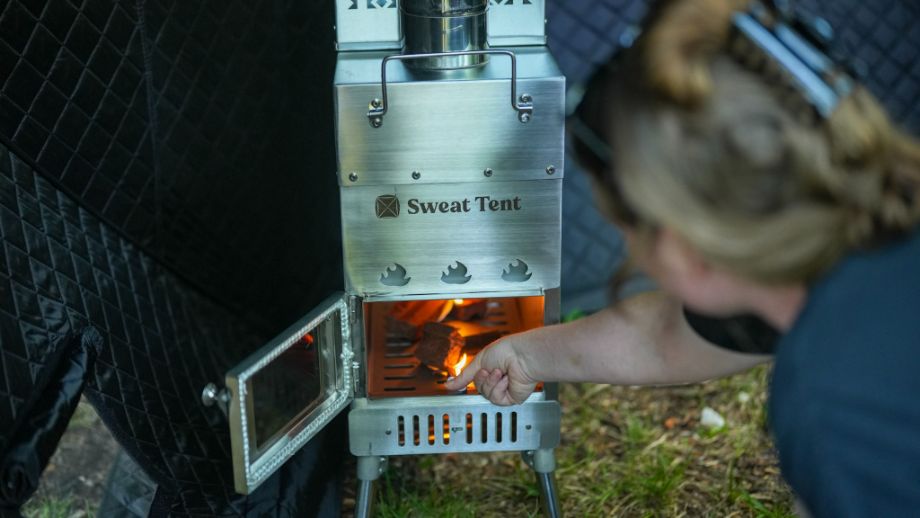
(799, 47)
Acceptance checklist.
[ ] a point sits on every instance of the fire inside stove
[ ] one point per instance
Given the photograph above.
(414, 346)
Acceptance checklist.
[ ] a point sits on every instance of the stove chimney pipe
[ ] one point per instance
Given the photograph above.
(432, 26)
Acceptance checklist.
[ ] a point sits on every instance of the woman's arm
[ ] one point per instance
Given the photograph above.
(644, 340)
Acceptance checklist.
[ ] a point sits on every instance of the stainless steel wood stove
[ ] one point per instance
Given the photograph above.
(450, 128)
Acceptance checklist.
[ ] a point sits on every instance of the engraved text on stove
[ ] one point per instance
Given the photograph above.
(387, 206)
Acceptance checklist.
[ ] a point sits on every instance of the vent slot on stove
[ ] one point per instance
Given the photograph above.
(445, 428)
(482, 428)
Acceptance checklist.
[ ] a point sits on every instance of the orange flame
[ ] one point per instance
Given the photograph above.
(460, 365)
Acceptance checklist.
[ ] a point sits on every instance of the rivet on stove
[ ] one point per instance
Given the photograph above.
(353, 177)
(550, 169)
(416, 175)
(488, 173)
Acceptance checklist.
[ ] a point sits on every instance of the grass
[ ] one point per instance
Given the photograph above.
(53, 507)
(625, 452)
(83, 417)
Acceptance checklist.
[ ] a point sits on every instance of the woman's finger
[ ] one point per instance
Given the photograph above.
(500, 394)
(465, 377)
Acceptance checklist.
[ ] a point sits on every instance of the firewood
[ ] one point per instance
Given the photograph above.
(476, 336)
(400, 329)
(440, 347)
(480, 340)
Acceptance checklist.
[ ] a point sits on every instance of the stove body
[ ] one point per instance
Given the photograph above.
(451, 188)
(450, 142)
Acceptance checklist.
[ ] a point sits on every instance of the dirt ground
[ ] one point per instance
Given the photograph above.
(74, 480)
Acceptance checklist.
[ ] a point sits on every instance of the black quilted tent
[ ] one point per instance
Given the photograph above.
(166, 178)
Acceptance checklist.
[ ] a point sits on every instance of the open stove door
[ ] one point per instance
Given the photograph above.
(286, 392)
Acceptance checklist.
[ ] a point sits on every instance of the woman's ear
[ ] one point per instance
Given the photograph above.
(679, 260)
(698, 283)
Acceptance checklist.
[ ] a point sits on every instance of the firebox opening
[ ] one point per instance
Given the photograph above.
(414, 346)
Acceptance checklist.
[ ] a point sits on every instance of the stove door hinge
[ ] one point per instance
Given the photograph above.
(353, 311)
(354, 324)
(356, 376)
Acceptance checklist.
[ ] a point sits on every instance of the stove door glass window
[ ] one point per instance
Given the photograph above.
(290, 386)
(285, 393)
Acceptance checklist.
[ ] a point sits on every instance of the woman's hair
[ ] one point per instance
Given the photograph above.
(740, 166)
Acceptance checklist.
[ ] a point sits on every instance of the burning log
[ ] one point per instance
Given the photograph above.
(406, 318)
(479, 341)
(400, 329)
(440, 347)
(476, 336)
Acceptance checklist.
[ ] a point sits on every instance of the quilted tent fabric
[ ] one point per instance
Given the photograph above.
(202, 131)
(184, 204)
(163, 341)
(129, 492)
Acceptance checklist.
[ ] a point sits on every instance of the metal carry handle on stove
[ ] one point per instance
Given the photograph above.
(378, 107)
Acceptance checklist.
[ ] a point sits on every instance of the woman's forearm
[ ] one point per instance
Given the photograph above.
(644, 340)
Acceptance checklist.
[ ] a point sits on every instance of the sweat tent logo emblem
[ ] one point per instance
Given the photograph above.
(387, 206)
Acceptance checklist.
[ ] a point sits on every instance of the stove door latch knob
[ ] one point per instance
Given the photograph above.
(211, 396)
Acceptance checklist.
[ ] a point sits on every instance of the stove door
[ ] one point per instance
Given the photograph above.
(287, 391)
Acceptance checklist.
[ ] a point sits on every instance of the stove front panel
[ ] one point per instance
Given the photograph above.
(487, 237)
(464, 424)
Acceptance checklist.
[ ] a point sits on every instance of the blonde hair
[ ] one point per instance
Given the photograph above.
(739, 165)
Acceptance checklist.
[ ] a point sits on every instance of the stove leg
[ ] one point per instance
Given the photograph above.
(543, 463)
(369, 470)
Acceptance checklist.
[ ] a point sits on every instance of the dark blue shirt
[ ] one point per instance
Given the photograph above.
(845, 397)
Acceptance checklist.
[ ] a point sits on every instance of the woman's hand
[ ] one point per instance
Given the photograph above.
(499, 372)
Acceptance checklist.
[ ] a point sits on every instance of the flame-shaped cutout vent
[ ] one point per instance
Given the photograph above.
(456, 275)
(517, 272)
(394, 276)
